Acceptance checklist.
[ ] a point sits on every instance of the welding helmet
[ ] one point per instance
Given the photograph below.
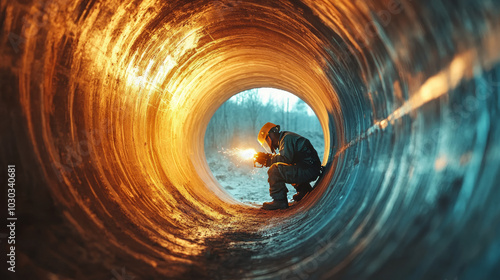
(263, 137)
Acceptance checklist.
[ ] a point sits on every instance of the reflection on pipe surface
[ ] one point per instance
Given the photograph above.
(105, 104)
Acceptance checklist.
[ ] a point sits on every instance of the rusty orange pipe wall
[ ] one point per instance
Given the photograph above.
(105, 106)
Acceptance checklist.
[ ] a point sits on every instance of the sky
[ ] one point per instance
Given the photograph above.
(278, 95)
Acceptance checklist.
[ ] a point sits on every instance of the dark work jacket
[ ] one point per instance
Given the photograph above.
(295, 149)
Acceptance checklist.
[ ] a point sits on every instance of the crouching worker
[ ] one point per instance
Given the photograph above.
(297, 163)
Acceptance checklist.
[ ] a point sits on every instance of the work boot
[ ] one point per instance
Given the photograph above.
(302, 191)
(275, 205)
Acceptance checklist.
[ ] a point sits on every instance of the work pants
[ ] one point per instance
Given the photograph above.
(297, 175)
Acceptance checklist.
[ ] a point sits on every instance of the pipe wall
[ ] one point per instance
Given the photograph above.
(105, 106)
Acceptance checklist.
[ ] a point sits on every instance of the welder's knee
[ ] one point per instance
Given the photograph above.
(274, 174)
(273, 170)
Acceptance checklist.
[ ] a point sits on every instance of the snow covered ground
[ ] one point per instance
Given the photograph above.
(244, 182)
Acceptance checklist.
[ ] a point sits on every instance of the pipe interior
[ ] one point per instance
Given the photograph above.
(108, 102)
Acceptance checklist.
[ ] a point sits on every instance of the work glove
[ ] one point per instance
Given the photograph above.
(263, 159)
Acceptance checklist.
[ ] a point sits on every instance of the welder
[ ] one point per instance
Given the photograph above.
(296, 163)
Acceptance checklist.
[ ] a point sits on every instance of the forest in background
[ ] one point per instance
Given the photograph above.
(237, 122)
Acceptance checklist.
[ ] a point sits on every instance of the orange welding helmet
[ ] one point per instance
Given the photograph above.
(263, 137)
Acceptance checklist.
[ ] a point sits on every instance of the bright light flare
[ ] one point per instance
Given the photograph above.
(247, 154)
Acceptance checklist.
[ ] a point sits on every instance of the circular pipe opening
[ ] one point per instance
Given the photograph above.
(231, 139)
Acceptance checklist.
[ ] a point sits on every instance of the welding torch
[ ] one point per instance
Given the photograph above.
(264, 159)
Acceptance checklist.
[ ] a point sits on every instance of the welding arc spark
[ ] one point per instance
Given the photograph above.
(247, 154)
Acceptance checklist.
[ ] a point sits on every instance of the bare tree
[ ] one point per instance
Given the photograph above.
(253, 107)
